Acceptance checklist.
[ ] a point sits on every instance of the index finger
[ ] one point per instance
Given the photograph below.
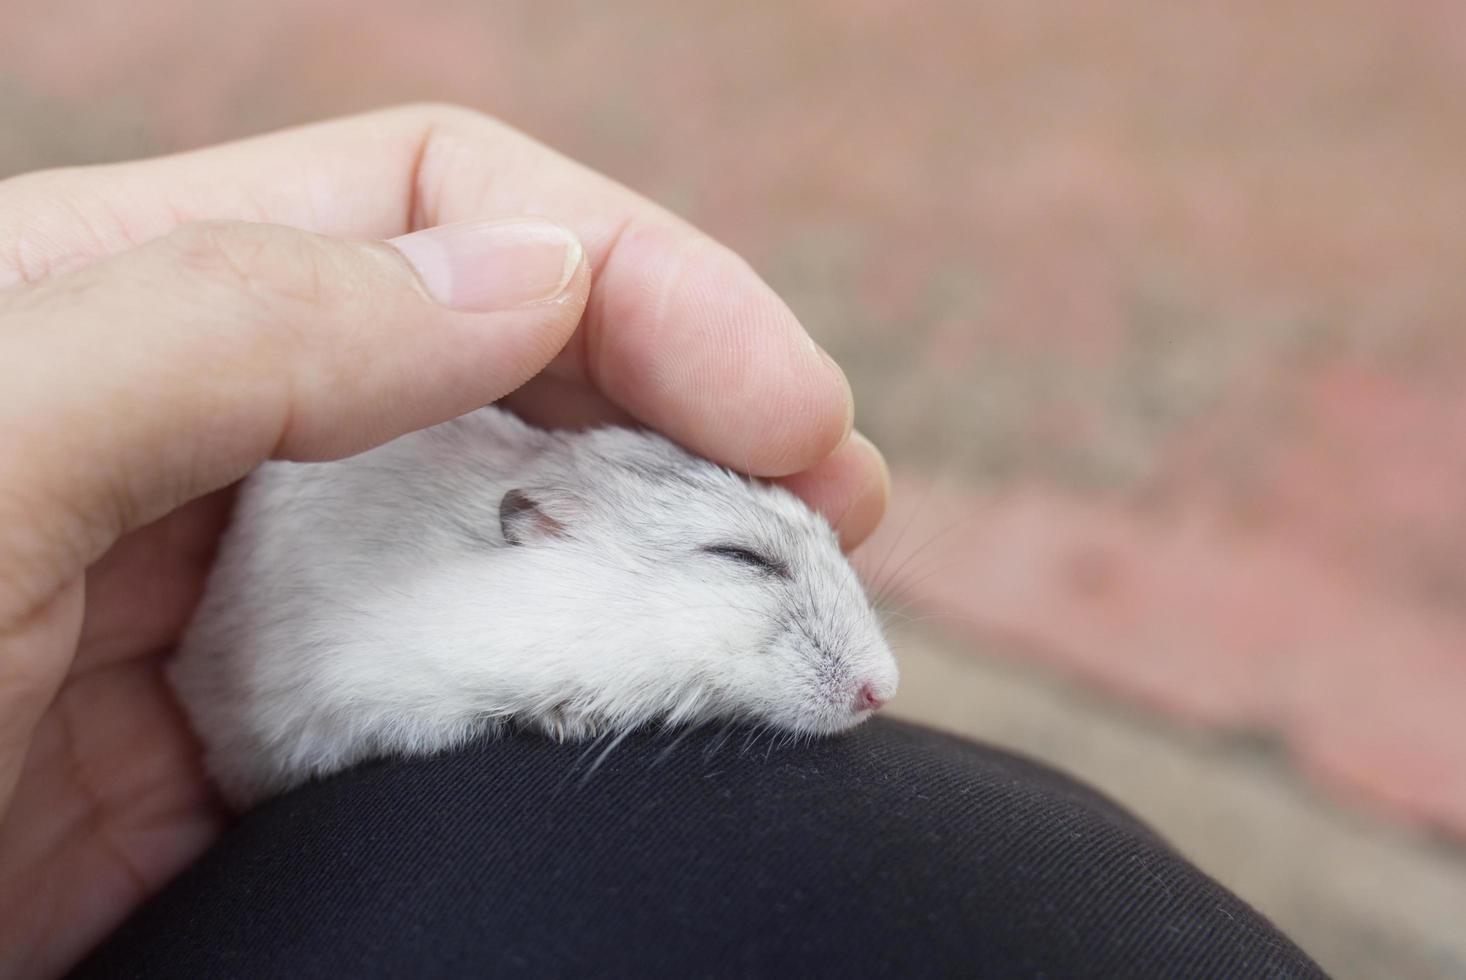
(679, 332)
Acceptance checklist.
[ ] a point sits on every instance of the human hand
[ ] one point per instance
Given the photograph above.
(148, 362)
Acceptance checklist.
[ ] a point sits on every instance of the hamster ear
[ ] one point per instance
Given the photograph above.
(522, 521)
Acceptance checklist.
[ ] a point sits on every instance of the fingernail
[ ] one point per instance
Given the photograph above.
(844, 382)
(483, 266)
(883, 469)
(864, 512)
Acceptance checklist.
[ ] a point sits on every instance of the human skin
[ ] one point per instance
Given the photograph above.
(167, 325)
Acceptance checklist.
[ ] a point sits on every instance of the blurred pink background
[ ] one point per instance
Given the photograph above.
(1157, 308)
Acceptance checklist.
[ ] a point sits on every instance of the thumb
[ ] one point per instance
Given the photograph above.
(159, 374)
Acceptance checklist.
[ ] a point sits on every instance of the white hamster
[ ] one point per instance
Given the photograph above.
(484, 572)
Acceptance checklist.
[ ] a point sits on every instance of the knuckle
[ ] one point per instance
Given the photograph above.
(273, 266)
(44, 228)
(441, 113)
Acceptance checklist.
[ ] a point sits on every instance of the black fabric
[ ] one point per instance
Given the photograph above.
(892, 851)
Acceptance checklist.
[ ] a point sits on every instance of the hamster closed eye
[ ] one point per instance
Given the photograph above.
(483, 573)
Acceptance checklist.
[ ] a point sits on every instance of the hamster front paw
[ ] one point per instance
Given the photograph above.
(567, 723)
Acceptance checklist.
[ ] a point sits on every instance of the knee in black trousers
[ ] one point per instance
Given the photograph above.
(891, 851)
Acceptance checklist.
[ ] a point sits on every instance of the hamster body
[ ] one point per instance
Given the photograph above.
(483, 572)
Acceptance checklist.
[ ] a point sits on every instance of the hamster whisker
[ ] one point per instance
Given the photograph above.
(602, 757)
(753, 738)
(779, 740)
(719, 741)
(952, 617)
(890, 616)
(882, 590)
(900, 537)
(563, 782)
(667, 752)
(590, 747)
(925, 576)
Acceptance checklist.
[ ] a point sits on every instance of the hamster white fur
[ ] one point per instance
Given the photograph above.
(483, 572)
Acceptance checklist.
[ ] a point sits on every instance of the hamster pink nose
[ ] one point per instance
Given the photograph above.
(869, 699)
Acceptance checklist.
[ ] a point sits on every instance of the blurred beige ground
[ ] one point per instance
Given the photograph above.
(1156, 308)
(1364, 898)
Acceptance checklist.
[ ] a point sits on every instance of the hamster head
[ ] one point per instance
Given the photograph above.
(672, 588)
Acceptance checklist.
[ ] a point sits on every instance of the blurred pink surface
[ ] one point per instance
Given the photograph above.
(1164, 300)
